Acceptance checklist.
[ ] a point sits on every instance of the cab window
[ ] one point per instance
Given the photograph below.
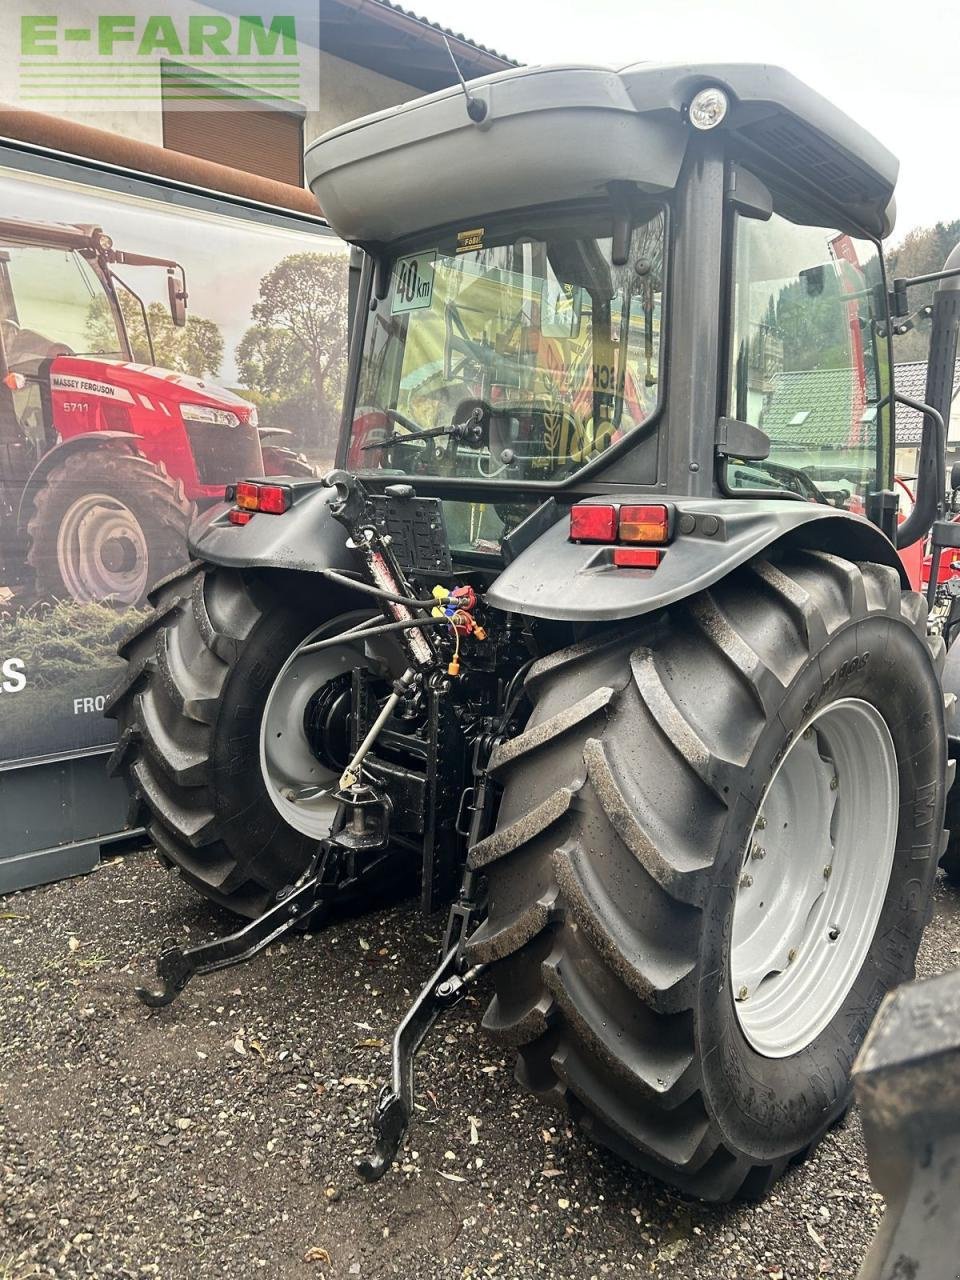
(810, 361)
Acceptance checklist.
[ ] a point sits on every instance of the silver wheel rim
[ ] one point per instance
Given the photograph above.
(287, 762)
(102, 551)
(814, 877)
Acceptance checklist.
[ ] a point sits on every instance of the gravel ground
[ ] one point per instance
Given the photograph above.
(216, 1138)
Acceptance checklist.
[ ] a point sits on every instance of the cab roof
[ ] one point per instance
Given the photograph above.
(563, 133)
(59, 235)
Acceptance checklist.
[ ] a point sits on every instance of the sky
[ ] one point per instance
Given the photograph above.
(890, 67)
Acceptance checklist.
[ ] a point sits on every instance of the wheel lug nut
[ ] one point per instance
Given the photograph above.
(746, 882)
(827, 872)
(791, 955)
(761, 822)
(758, 853)
(742, 993)
(834, 782)
(808, 733)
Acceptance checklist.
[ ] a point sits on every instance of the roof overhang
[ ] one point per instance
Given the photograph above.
(388, 39)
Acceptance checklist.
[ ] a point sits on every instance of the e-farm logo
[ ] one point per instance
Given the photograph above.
(202, 56)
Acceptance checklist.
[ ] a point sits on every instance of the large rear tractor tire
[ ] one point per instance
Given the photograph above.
(714, 854)
(107, 525)
(221, 718)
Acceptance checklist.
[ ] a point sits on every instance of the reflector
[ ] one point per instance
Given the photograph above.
(637, 557)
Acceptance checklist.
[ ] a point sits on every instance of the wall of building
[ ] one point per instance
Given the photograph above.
(347, 91)
(344, 92)
(331, 90)
(907, 457)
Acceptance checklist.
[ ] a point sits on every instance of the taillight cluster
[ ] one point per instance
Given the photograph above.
(251, 497)
(602, 523)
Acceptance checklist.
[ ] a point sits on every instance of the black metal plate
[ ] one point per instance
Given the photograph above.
(417, 529)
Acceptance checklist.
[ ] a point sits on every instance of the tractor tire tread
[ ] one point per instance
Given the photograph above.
(596, 988)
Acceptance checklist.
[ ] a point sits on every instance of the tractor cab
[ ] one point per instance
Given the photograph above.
(665, 279)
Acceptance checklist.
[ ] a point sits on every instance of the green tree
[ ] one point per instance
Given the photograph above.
(295, 352)
(920, 252)
(197, 348)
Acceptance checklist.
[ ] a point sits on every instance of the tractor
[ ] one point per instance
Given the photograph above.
(103, 461)
(621, 668)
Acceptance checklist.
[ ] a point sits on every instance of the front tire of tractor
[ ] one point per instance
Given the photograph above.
(636, 923)
(211, 714)
(106, 525)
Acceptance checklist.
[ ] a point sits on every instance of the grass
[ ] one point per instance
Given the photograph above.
(68, 651)
(58, 642)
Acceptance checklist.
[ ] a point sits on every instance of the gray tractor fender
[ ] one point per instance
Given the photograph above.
(578, 582)
(77, 444)
(306, 537)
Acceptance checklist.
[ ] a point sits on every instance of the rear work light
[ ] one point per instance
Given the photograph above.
(595, 522)
(274, 499)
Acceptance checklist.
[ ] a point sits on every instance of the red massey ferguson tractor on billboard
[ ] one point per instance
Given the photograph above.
(103, 461)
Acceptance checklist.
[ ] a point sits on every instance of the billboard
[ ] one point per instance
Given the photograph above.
(151, 352)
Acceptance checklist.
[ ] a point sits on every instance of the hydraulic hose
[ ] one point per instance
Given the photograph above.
(344, 580)
(362, 632)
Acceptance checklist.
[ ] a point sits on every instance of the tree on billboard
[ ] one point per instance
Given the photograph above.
(295, 353)
(197, 348)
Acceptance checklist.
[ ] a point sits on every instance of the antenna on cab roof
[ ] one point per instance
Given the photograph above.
(476, 109)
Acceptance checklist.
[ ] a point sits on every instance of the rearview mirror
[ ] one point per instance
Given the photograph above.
(177, 295)
(812, 278)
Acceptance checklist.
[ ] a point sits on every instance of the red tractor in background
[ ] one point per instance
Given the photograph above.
(103, 461)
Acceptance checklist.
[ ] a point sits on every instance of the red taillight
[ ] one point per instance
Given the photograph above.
(274, 499)
(644, 524)
(637, 557)
(248, 496)
(239, 517)
(589, 523)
